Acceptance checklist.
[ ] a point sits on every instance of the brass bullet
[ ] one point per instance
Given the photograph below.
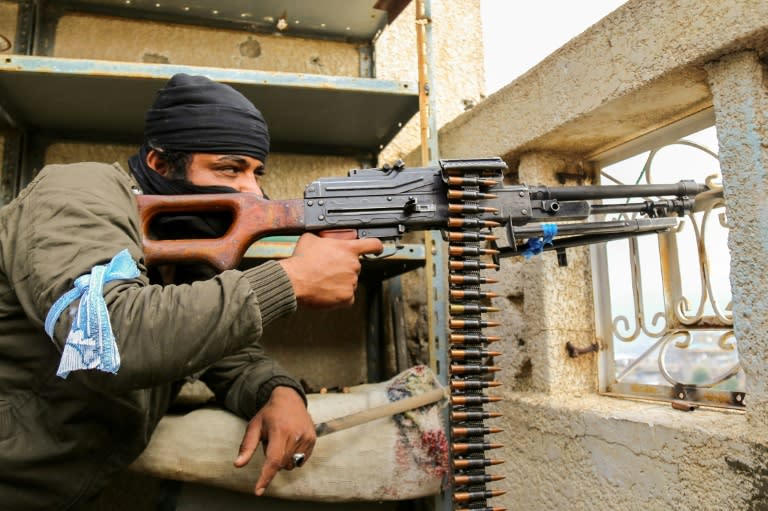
(472, 265)
(473, 416)
(471, 496)
(473, 338)
(473, 369)
(470, 209)
(464, 480)
(473, 384)
(461, 251)
(471, 294)
(471, 181)
(471, 280)
(469, 195)
(474, 400)
(459, 431)
(459, 324)
(474, 447)
(473, 353)
(456, 222)
(469, 236)
(470, 308)
(474, 463)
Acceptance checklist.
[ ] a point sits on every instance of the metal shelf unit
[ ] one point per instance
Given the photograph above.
(43, 97)
(353, 20)
(106, 101)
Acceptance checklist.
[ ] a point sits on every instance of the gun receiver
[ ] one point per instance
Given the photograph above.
(387, 202)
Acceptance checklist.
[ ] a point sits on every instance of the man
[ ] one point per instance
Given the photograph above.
(80, 403)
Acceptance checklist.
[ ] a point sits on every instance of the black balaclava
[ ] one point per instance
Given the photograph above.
(194, 114)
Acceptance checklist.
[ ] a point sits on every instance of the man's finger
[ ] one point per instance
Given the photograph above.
(339, 234)
(368, 246)
(248, 445)
(273, 462)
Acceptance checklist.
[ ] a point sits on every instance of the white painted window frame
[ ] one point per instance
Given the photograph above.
(604, 317)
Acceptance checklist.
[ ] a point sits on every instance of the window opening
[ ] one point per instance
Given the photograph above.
(666, 298)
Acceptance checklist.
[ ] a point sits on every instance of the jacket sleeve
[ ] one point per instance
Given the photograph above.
(79, 216)
(243, 382)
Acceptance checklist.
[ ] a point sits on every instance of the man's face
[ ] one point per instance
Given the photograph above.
(242, 173)
(236, 171)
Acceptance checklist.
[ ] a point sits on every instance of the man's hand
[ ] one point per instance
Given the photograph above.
(285, 428)
(324, 271)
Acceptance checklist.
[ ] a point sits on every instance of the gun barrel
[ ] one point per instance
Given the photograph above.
(613, 226)
(680, 189)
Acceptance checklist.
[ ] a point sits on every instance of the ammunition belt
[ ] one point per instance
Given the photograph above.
(472, 371)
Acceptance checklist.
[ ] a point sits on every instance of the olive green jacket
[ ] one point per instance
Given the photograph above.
(62, 439)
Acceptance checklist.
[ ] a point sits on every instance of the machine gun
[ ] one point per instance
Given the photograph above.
(466, 200)
(463, 198)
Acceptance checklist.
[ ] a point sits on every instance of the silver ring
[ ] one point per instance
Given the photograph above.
(298, 459)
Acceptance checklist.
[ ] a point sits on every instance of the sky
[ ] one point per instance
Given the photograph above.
(517, 34)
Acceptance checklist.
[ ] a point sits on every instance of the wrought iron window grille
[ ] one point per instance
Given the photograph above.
(663, 302)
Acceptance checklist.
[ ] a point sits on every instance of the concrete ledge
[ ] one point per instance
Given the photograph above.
(636, 70)
(621, 454)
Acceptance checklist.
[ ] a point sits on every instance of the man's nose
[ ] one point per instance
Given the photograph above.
(249, 185)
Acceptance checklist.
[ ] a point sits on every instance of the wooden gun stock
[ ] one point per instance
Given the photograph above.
(252, 219)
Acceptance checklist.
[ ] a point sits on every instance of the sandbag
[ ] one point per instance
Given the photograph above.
(394, 458)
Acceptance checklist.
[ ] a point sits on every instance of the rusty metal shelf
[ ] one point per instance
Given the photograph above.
(359, 20)
(106, 101)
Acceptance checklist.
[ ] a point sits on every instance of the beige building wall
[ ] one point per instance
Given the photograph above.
(648, 65)
(458, 67)
(161, 43)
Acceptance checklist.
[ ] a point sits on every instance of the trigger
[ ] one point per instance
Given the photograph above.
(390, 249)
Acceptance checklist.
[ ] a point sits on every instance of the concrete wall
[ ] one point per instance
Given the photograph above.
(648, 65)
(154, 42)
(459, 74)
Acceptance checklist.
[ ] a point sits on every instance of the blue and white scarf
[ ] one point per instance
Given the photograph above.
(91, 343)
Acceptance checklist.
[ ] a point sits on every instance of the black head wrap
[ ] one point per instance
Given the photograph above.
(197, 115)
(194, 114)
